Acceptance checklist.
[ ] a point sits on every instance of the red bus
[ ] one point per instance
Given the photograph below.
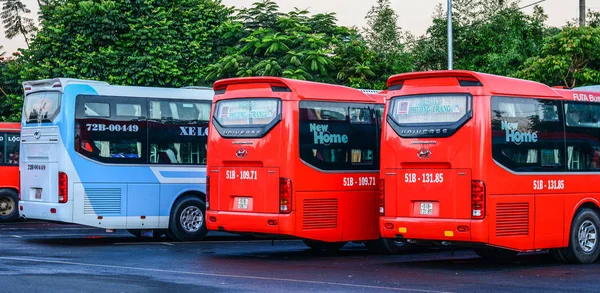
(498, 164)
(295, 158)
(9, 170)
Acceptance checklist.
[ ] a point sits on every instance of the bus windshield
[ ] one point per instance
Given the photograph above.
(438, 109)
(41, 107)
(251, 118)
(439, 115)
(247, 111)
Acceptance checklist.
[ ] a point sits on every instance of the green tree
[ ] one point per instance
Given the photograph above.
(593, 18)
(492, 37)
(570, 58)
(11, 96)
(150, 42)
(382, 32)
(273, 43)
(261, 14)
(300, 46)
(14, 17)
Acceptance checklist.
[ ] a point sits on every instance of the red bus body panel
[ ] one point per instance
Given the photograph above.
(516, 216)
(322, 208)
(10, 174)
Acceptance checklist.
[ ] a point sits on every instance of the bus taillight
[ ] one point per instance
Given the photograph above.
(477, 199)
(207, 193)
(381, 196)
(63, 187)
(285, 196)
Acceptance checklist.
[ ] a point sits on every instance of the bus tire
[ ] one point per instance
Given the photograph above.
(387, 246)
(495, 254)
(583, 241)
(324, 246)
(187, 221)
(138, 233)
(9, 200)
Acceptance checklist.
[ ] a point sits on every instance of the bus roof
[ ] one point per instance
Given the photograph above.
(104, 88)
(589, 88)
(579, 95)
(492, 84)
(304, 90)
(10, 125)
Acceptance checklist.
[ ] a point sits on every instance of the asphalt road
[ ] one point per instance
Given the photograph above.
(46, 257)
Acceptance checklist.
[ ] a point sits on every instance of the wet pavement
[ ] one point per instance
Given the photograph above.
(50, 257)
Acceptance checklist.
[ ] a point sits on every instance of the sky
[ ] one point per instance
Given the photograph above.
(414, 15)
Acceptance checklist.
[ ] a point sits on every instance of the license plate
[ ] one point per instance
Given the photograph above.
(38, 193)
(242, 203)
(426, 208)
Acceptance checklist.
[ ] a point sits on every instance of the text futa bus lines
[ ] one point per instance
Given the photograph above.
(115, 157)
(295, 158)
(500, 164)
(9, 171)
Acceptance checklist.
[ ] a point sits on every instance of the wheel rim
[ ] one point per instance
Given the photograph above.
(587, 236)
(191, 219)
(7, 206)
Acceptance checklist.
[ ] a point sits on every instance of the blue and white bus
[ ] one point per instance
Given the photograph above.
(115, 157)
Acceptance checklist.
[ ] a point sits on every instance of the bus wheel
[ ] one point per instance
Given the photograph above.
(321, 245)
(496, 254)
(387, 246)
(8, 205)
(583, 241)
(187, 220)
(155, 233)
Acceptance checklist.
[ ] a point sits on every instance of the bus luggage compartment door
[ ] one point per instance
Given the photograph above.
(434, 193)
(248, 189)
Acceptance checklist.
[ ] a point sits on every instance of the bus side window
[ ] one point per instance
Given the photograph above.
(111, 129)
(2, 148)
(338, 136)
(583, 136)
(12, 148)
(178, 131)
(527, 134)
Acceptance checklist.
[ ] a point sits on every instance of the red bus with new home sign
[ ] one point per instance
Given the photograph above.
(295, 158)
(498, 164)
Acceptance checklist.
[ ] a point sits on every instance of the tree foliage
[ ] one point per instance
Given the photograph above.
(492, 37)
(382, 32)
(301, 46)
(570, 58)
(15, 20)
(11, 97)
(149, 42)
(272, 43)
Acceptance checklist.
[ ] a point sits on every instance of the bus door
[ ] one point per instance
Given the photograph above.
(40, 150)
(432, 175)
(247, 155)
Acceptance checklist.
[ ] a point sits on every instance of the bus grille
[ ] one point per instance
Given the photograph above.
(102, 201)
(512, 219)
(320, 213)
